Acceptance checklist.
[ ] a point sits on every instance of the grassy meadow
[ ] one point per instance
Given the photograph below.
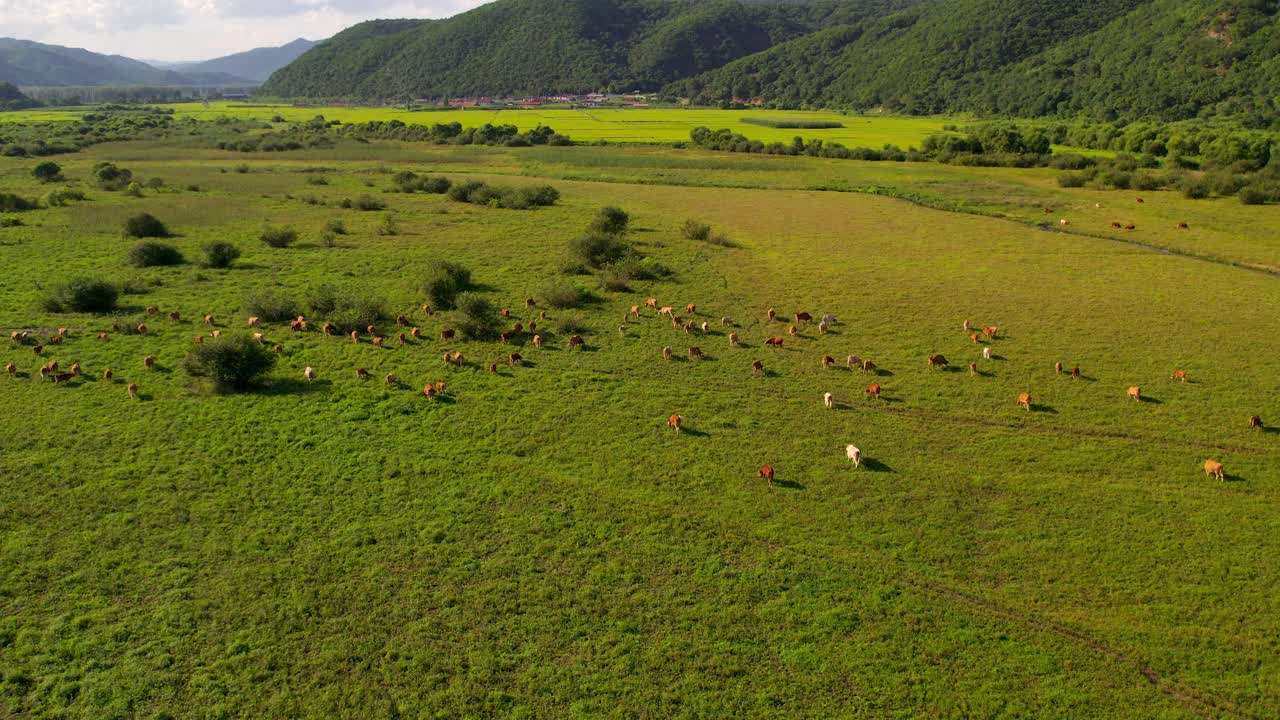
(537, 543)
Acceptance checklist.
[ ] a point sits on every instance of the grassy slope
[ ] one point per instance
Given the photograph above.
(540, 546)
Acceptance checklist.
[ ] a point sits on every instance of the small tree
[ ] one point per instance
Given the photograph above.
(443, 283)
(278, 237)
(598, 249)
(220, 255)
(110, 177)
(149, 253)
(476, 317)
(610, 221)
(233, 362)
(88, 295)
(47, 172)
(145, 225)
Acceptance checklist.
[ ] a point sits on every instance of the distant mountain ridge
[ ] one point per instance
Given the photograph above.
(256, 64)
(27, 63)
(514, 47)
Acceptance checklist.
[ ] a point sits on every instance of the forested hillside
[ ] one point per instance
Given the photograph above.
(1173, 59)
(256, 64)
(23, 62)
(12, 99)
(543, 46)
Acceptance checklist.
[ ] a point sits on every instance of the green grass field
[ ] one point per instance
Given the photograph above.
(539, 544)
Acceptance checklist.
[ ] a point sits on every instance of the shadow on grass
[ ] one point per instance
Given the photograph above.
(1270, 430)
(873, 465)
(1042, 408)
(290, 386)
(1150, 400)
(787, 484)
(694, 433)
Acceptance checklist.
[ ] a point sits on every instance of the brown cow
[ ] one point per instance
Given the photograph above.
(695, 353)
(791, 330)
(504, 337)
(149, 362)
(448, 334)
(868, 366)
(1075, 373)
(991, 331)
(514, 359)
(103, 336)
(576, 341)
(690, 309)
(415, 333)
(1130, 226)
(651, 302)
(175, 316)
(1057, 368)
(1255, 422)
(377, 341)
(537, 341)
(391, 379)
(517, 329)
(277, 348)
(772, 314)
(362, 374)
(456, 358)
(429, 391)
(1024, 399)
(938, 361)
(425, 310)
(402, 320)
(402, 338)
(199, 339)
(966, 326)
(1116, 225)
(774, 342)
(371, 329)
(733, 339)
(529, 302)
(1180, 375)
(766, 472)
(447, 357)
(355, 337)
(803, 317)
(853, 361)
(327, 328)
(505, 312)
(1135, 392)
(133, 391)
(757, 368)
(254, 322)
(493, 368)
(666, 353)
(827, 362)
(11, 369)
(1183, 226)
(63, 377)
(635, 310)
(674, 423)
(1214, 468)
(973, 368)
(54, 340)
(309, 373)
(141, 329)
(1140, 201)
(107, 374)
(152, 309)
(873, 390)
(440, 387)
(532, 326)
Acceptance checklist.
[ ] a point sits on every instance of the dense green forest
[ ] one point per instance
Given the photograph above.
(11, 98)
(1171, 59)
(514, 47)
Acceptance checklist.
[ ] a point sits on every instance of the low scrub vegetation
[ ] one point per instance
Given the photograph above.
(110, 177)
(86, 295)
(270, 306)
(479, 193)
(145, 225)
(790, 123)
(278, 237)
(563, 294)
(344, 308)
(444, 282)
(610, 221)
(10, 202)
(476, 318)
(233, 363)
(149, 253)
(411, 182)
(220, 254)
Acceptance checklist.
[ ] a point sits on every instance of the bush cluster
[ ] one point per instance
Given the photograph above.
(444, 282)
(479, 193)
(476, 318)
(145, 225)
(346, 309)
(149, 253)
(278, 237)
(232, 362)
(410, 182)
(219, 254)
(88, 295)
(270, 307)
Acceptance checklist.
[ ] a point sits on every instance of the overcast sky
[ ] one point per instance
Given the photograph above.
(173, 30)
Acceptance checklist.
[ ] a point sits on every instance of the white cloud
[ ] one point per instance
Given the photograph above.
(199, 29)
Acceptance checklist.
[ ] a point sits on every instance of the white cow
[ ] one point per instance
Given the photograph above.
(986, 353)
(854, 454)
(829, 400)
(829, 319)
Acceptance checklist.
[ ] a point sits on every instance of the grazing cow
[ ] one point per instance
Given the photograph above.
(62, 332)
(254, 322)
(772, 314)
(107, 374)
(757, 368)
(505, 312)
(854, 455)
(635, 310)
(1183, 226)
(1180, 375)
(415, 333)
(38, 349)
(277, 348)
(258, 338)
(822, 328)
(1214, 468)
(1117, 225)
(873, 390)
(532, 326)
(199, 339)
(1255, 422)
(542, 315)
(149, 362)
(791, 330)
(493, 368)
(440, 387)
(141, 329)
(973, 368)
(355, 337)
(133, 391)
(175, 316)
(362, 374)
(733, 339)
(448, 334)
(766, 472)
(690, 309)
(456, 358)
(829, 401)
(425, 310)
(726, 321)
(327, 328)
(309, 373)
(666, 353)
(1048, 211)
(695, 353)
(371, 329)
(576, 341)
(827, 362)
(1057, 368)
(705, 327)
(402, 338)
(44, 373)
(1130, 226)
(1024, 399)
(208, 320)
(689, 327)
(674, 423)
(1063, 222)
(829, 319)
(529, 302)
(774, 342)
(986, 353)
(402, 320)
(152, 309)
(966, 326)
(447, 357)
(667, 310)
(391, 379)
(514, 359)
(504, 337)
(991, 331)
(11, 369)
(868, 366)
(517, 329)
(937, 361)
(537, 341)
(651, 302)
(429, 390)
(54, 340)
(622, 330)
(103, 336)
(853, 361)
(1075, 373)
(297, 325)
(803, 317)
(51, 366)
(1135, 392)
(1139, 200)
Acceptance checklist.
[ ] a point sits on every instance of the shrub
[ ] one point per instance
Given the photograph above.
(443, 283)
(479, 193)
(369, 203)
(1194, 189)
(1070, 161)
(562, 294)
(151, 254)
(635, 267)
(219, 254)
(145, 225)
(110, 177)
(569, 325)
(88, 295)
(7, 222)
(278, 237)
(389, 225)
(61, 197)
(328, 239)
(1071, 180)
(336, 226)
(1125, 162)
(597, 249)
(694, 230)
(155, 183)
(269, 306)
(318, 180)
(615, 279)
(476, 318)
(47, 172)
(1118, 180)
(242, 168)
(409, 182)
(347, 309)
(1147, 181)
(13, 203)
(232, 362)
(134, 190)
(610, 220)
(1252, 196)
(1226, 184)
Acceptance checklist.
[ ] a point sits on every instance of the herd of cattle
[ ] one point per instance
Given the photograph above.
(49, 371)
